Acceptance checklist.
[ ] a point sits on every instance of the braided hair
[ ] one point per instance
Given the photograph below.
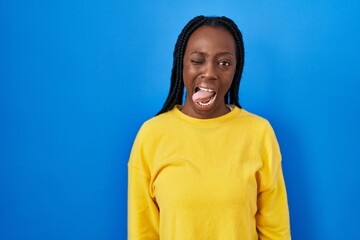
(176, 92)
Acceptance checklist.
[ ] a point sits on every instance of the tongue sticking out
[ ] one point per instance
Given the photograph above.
(203, 96)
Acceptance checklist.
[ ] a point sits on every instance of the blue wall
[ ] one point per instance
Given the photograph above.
(77, 79)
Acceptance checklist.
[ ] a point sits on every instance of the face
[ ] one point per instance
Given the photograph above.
(209, 68)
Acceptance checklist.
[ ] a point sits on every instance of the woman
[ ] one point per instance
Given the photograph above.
(206, 168)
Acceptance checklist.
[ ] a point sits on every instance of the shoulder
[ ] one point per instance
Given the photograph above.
(156, 125)
(264, 131)
(252, 120)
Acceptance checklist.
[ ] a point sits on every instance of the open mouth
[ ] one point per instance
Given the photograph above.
(204, 97)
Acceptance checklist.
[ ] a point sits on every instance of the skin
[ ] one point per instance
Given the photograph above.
(209, 62)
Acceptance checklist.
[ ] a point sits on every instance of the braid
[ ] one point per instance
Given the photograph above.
(176, 92)
(177, 85)
(232, 96)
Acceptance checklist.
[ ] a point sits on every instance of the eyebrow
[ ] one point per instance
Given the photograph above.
(203, 53)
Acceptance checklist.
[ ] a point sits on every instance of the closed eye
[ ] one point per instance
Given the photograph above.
(196, 62)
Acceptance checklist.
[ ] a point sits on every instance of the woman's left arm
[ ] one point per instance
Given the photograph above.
(272, 217)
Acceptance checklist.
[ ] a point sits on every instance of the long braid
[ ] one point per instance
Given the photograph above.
(232, 95)
(176, 91)
(177, 86)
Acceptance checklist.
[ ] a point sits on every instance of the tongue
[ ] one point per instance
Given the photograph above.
(202, 96)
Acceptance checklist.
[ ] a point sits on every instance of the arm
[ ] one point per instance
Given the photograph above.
(143, 213)
(272, 217)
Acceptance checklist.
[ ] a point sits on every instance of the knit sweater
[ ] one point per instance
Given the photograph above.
(206, 179)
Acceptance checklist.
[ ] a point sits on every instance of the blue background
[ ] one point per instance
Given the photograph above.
(77, 79)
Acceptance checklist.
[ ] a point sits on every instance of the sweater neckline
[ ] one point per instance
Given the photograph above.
(210, 122)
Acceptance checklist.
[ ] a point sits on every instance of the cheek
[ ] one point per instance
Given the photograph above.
(188, 75)
(228, 80)
(185, 76)
(189, 70)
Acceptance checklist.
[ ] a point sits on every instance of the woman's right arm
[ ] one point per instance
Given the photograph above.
(143, 212)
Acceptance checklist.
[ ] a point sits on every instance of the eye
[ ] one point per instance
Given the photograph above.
(196, 62)
(224, 63)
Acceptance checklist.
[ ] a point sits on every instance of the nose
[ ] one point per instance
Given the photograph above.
(209, 71)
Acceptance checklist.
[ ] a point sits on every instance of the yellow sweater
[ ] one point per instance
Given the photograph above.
(196, 179)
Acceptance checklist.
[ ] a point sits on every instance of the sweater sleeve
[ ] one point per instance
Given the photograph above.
(272, 217)
(143, 213)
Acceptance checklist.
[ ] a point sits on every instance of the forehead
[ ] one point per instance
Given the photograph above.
(216, 38)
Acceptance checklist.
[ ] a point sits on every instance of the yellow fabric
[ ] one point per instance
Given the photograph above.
(206, 179)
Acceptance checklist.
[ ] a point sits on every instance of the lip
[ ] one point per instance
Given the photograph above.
(203, 106)
(205, 89)
(208, 105)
